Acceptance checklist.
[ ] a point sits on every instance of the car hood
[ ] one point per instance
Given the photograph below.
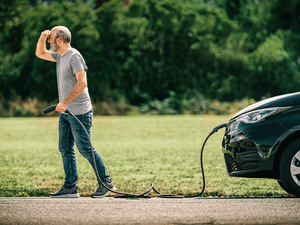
(292, 99)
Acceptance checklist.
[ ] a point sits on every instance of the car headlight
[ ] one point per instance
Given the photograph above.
(260, 114)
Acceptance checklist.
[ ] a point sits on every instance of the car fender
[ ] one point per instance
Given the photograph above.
(282, 142)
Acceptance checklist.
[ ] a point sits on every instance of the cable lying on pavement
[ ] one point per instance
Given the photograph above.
(145, 194)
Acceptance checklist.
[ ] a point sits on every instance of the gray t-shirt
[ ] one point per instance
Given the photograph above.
(66, 67)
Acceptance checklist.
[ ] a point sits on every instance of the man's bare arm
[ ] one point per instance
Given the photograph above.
(41, 51)
(78, 88)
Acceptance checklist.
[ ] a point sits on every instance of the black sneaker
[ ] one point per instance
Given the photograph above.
(102, 191)
(66, 193)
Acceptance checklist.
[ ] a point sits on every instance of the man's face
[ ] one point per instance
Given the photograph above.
(52, 40)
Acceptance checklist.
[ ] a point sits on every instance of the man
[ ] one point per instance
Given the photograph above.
(73, 94)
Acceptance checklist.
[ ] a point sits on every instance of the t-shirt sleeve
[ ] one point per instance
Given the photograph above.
(54, 55)
(78, 63)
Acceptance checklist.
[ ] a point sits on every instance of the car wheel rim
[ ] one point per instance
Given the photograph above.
(295, 168)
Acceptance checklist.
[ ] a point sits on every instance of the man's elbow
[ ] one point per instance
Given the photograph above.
(84, 84)
(37, 54)
(40, 54)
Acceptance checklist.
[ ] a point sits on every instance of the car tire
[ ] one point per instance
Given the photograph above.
(290, 168)
(282, 186)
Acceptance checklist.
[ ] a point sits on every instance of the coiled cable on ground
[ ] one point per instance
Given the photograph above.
(142, 195)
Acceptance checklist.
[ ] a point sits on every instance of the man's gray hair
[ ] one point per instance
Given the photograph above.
(65, 36)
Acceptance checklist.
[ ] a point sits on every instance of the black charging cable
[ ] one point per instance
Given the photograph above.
(143, 195)
(202, 170)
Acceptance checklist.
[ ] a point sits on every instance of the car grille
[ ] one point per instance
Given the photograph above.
(231, 164)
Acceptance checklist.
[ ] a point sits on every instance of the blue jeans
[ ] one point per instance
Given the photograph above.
(70, 131)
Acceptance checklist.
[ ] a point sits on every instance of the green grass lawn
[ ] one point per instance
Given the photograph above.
(137, 151)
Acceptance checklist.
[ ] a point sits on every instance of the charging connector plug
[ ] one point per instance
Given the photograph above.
(218, 128)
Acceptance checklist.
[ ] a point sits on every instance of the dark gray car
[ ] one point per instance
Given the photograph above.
(263, 141)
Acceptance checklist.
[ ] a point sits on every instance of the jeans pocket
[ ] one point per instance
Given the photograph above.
(87, 119)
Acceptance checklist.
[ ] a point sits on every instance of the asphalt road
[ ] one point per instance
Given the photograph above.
(150, 211)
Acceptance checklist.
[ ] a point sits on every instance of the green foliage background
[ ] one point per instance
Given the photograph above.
(153, 53)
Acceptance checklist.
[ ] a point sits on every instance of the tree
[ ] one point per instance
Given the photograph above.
(285, 15)
(38, 76)
(11, 36)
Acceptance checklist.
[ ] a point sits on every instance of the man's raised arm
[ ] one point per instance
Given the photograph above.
(41, 51)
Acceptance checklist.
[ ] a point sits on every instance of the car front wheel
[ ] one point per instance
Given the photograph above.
(290, 168)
